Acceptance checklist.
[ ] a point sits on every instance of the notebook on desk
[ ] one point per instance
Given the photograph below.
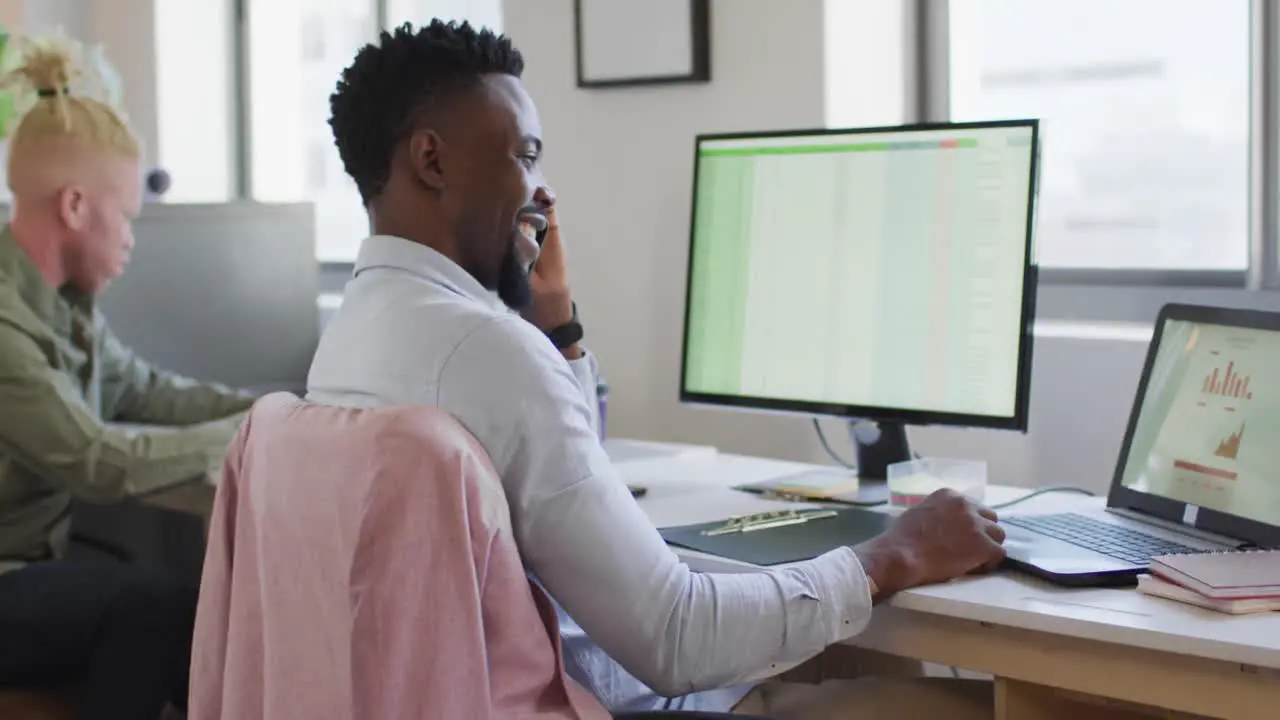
(777, 537)
(1222, 576)
(1156, 586)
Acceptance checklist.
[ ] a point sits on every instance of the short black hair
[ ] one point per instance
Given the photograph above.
(378, 94)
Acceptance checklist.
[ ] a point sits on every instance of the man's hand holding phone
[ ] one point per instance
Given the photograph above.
(552, 304)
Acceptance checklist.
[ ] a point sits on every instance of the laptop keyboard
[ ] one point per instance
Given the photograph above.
(1118, 542)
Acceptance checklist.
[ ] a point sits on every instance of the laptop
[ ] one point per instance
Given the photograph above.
(1199, 470)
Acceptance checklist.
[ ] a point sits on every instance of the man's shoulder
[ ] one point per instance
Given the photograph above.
(508, 367)
(13, 307)
(439, 321)
(22, 335)
(401, 343)
(504, 340)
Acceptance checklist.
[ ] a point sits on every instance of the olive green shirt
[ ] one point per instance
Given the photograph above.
(65, 380)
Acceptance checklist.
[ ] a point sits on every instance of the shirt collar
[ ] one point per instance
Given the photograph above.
(389, 251)
(49, 304)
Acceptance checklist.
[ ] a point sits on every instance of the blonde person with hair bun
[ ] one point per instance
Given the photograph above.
(119, 634)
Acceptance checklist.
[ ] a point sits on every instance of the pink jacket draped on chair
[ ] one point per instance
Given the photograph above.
(361, 566)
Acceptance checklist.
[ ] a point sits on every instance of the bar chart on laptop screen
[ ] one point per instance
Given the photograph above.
(1209, 419)
(847, 268)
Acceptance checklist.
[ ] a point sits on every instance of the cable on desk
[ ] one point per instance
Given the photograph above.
(1043, 491)
(822, 438)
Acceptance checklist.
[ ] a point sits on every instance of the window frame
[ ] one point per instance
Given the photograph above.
(1135, 294)
(333, 274)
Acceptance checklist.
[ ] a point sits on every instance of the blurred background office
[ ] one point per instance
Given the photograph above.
(1159, 178)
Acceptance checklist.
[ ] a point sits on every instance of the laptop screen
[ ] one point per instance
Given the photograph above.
(1208, 427)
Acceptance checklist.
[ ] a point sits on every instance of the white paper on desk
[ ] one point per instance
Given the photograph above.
(712, 506)
(628, 451)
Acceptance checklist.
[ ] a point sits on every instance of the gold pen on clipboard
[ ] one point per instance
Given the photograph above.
(766, 520)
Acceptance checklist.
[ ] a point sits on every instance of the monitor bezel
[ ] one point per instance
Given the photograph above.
(1017, 421)
(1201, 518)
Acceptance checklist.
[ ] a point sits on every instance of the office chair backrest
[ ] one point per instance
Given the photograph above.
(361, 565)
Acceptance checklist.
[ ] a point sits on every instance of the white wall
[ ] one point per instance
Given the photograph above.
(193, 82)
(126, 31)
(73, 16)
(867, 61)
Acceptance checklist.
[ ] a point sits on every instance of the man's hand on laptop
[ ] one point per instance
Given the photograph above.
(944, 537)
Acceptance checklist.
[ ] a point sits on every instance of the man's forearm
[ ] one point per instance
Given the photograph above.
(116, 462)
(716, 630)
(173, 400)
(162, 458)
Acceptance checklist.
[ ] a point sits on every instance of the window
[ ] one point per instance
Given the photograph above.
(195, 100)
(1146, 122)
(480, 13)
(318, 156)
(296, 51)
(314, 30)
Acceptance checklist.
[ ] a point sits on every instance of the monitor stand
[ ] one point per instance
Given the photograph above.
(878, 445)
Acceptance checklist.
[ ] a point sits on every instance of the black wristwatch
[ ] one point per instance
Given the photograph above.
(568, 334)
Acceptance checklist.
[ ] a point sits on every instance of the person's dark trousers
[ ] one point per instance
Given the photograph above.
(120, 634)
(139, 534)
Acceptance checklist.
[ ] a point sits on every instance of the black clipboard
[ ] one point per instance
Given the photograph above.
(778, 537)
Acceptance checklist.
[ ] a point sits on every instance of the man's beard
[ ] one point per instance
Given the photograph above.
(514, 288)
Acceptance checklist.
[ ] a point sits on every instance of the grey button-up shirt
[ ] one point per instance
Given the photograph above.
(414, 328)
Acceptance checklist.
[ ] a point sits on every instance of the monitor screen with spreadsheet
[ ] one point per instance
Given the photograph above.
(881, 273)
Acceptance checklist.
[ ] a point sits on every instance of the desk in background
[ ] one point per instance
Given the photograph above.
(1054, 652)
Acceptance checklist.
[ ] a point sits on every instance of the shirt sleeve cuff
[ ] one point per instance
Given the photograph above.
(838, 576)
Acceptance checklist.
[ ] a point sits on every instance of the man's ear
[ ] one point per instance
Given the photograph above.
(426, 151)
(73, 208)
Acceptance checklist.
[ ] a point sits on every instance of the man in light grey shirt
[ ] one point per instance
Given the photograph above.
(444, 145)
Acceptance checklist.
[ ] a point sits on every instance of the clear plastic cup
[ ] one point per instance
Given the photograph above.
(912, 481)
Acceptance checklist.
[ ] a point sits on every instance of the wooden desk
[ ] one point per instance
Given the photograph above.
(1054, 652)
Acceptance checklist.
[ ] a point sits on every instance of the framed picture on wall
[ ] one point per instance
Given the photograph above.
(624, 43)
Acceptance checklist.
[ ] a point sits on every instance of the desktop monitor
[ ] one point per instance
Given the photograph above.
(880, 274)
(223, 292)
